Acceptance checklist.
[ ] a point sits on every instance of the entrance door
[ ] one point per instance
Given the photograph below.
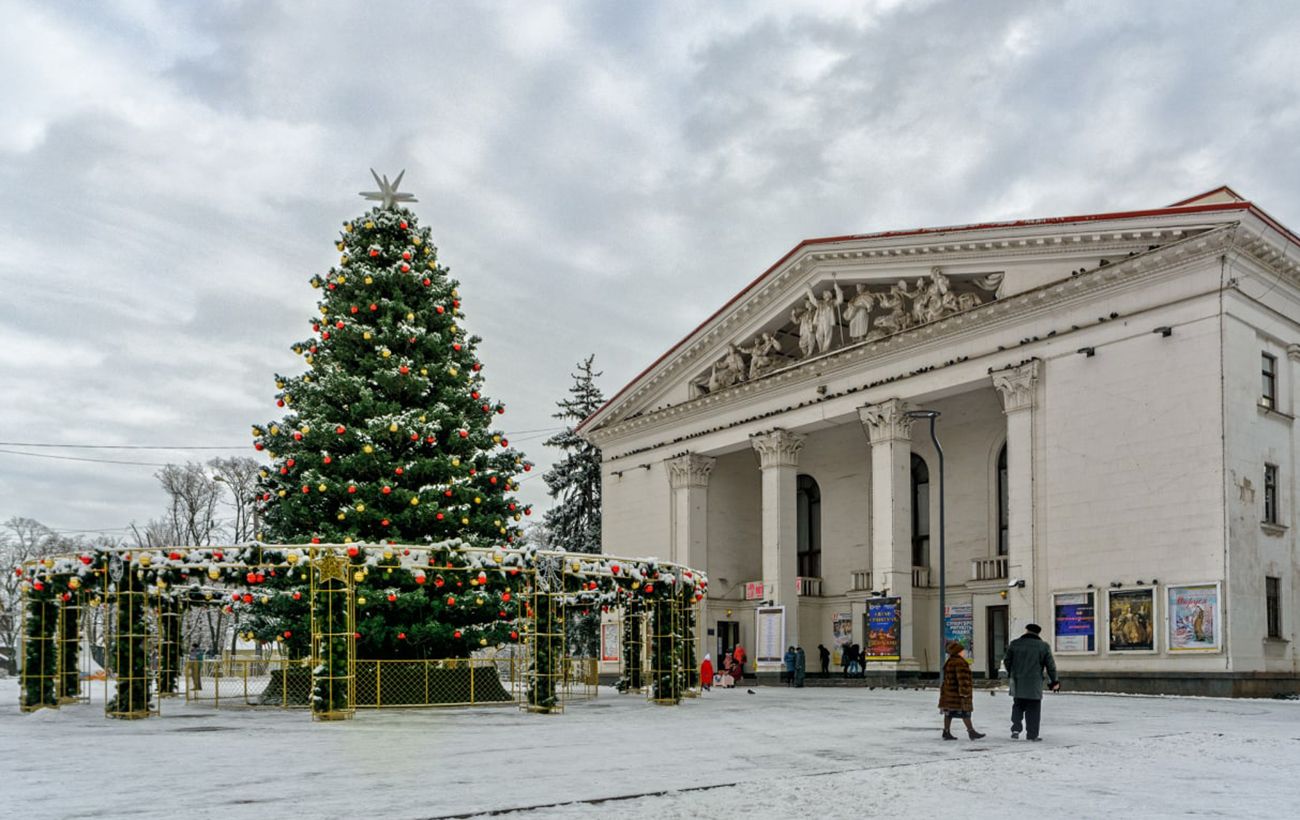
(997, 638)
(728, 637)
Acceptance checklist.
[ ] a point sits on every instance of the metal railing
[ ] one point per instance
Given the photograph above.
(380, 684)
(988, 569)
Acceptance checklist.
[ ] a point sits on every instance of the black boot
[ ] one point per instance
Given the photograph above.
(974, 735)
(947, 735)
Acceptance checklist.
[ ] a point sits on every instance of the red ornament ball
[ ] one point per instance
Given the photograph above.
(328, 459)
(456, 634)
(406, 255)
(353, 310)
(391, 597)
(279, 402)
(386, 490)
(248, 599)
(419, 579)
(464, 434)
(402, 224)
(288, 634)
(297, 596)
(374, 307)
(352, 488)
(401, 636)
(340, 429)
(441, 310)
(427, 281)
(288, 462)
(374, 252)
(403, 370)
(258, 446)
(352, 552)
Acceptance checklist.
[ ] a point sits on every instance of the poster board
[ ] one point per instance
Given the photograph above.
(1194, 617)
(1130, 619)
(841, 635)
(883, 625)
(609, 641)
(959, 626)
(1074, 622)
(770, 629)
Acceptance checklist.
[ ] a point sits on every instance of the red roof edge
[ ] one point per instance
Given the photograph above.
(1054, 220)
(1224, 188)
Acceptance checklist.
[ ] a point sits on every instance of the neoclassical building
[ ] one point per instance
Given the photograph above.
(1116, 398)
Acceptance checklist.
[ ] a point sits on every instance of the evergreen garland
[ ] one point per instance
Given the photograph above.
(130, 651)
(70, 652)
(40, 653)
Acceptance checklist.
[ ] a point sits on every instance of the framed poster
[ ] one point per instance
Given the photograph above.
(1194, 618)
(841, 635)
(1074, 622)
(770, 629)
(959, 626)
(609, 638)
(883, 619)
(1131, 620)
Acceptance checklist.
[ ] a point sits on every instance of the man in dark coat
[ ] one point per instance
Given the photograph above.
(789, 659)
(1026, 659)
(825, 655)
(800, 666)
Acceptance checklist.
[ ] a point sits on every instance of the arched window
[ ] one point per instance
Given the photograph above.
(920, 512)
(1004, 508)
(808, 524)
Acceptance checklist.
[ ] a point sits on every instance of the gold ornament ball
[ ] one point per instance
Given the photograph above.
(291, 558)
(358, 576)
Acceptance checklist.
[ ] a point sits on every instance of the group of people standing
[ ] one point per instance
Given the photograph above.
(796, 666)
(731, 672)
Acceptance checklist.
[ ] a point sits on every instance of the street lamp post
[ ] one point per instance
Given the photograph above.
(932, 415)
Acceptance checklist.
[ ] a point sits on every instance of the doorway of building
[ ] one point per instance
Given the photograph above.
(728, 637)
(997, 638)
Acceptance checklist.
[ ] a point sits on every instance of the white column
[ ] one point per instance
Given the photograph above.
(778, 457)
(1018, 388)
(890, 432)
(688, 475)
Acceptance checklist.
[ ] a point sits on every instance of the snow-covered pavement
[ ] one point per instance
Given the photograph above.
(776, 753)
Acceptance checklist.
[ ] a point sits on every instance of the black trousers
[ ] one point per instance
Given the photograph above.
(1029, 710)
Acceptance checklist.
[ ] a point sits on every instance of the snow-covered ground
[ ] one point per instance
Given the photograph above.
(776, 753)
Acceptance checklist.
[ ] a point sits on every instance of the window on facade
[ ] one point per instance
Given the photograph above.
(1004, 507)
(1273, 605)
(808, 525)
(920, 512)
(1270, 494)
(1268, 390)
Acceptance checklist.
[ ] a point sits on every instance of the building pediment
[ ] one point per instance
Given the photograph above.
(869, 292)
(832, 312)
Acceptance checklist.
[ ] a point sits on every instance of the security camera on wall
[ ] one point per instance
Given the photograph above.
(1015, 582)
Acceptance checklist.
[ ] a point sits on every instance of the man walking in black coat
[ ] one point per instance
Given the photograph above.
(825, 655)
(1026, 659)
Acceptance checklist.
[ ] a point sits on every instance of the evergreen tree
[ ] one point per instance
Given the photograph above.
(388, 437)
(574, 523)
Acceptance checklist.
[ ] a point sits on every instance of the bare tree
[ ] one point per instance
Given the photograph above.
(239, 476)
(22, 539)
(193, 498)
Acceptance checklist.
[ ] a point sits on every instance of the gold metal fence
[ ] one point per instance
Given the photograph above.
(388, 684)
(232, 681)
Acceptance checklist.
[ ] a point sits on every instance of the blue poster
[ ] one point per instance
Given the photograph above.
(1076, 623)
(959, 626)
(883, 618)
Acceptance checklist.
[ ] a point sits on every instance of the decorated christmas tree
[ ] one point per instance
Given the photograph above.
(388, 438)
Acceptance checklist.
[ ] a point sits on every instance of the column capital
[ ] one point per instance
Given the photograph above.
(1293, 352)
(778, 448)
(886, 421)
(690, 470)
(1017, 386)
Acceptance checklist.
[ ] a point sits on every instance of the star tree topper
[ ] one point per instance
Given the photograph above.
(387, 192)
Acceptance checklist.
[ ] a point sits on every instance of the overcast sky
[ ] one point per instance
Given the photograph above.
(600, 176)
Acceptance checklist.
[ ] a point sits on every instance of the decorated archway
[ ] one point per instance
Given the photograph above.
(140, 598)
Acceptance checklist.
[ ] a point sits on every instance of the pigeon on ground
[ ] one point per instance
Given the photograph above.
(751, 691)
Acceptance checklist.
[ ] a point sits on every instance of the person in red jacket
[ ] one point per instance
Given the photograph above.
(739, 654)
(706, 673)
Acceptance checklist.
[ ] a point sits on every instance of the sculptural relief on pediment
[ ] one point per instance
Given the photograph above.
(837, 317)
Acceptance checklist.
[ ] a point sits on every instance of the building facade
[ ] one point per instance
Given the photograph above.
(1116, 398)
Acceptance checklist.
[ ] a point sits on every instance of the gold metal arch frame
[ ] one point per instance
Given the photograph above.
(138, 600)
